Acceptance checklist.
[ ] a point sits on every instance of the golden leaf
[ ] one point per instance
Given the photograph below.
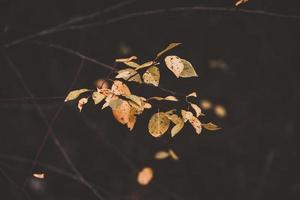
(81, 102)
(173, 155)
(193, 94)
(119, 88)
(168, 48)
(205, 104)
(220, 111)
(158, 124)
(197, 109)
(145, 176)
(75, 94)
(175, 64)
(130, 75)
(188, 70)
(123, 60)
(98, 97)
(152, 76)
(121, 110)
(160, 155)
(210, 126)
(146, 64)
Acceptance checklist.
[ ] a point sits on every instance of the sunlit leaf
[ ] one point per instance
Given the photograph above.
(175, 64)
(146, 64)
(210, 126)
(188, 70)
(97, 97)
(173, 155)
(126, 59)
(81, 102)
(220, 111)
(168, 48)
(75, 94)
(160, 155)
(158, 124)
(193, 94)
(130, 75)
(152, 76)
(145, 176)
(197, 109)
(119, 88)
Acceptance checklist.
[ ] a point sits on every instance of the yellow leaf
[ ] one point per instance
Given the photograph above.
(160, 155)
(98, 97)
(146, 64)
(173, 155)
(81, 102)
(220, 111)
(130, 75)
(175, 64)
(152, 76)
(126, 59)
(158, 124)
(168, 48)
(193, 94)
(210, 126)
(75, 94)
(197, 109)
(188, 70)
(119, 88)
(145, 176)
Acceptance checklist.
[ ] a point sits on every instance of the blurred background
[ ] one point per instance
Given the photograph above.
(248, 73)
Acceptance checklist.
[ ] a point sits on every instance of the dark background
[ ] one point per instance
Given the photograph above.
(255, 155)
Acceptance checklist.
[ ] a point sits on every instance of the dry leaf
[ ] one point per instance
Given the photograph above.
(175, 64)
(152, 76)
(205, 104)
(146, 64)
(168, 48)
(173, 155)
(134, 98)
(75, 94)
(193, 94)
(186, 115)
(197, 109)
(160, 155)
(210, 126)
(132, 118)
(158, 124)
(119, 88)
(123, 60)
(145, 176)
(97, 97)
(238, 2)
(121, 110)
(188, 70)
(81, 102)
(218, 64)
(39, 175)
(194, 121)
(130, 75)
(178, 121)
(220, 111)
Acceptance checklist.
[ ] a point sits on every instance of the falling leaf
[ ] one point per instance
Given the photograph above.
(146, 64)
(81, 102)
(39, 175)
(197, 109)
(152, 76)
(97, 97)
(158, 124)
(126, 59)
(175, 64)
(119, 88)
(75, 94)
(121, 111)
(220, 111)
(173, 155)
(160, 155)
(238, 2)
(193, 94)
(188, 70)
(130, 75)
(205, 104)
(210, 126)
(168, 48)
(145, 176)
(168, 98)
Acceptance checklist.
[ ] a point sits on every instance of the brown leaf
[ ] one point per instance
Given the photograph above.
(119, 88)
(168, 48)
(175, 64)
(121, 111)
